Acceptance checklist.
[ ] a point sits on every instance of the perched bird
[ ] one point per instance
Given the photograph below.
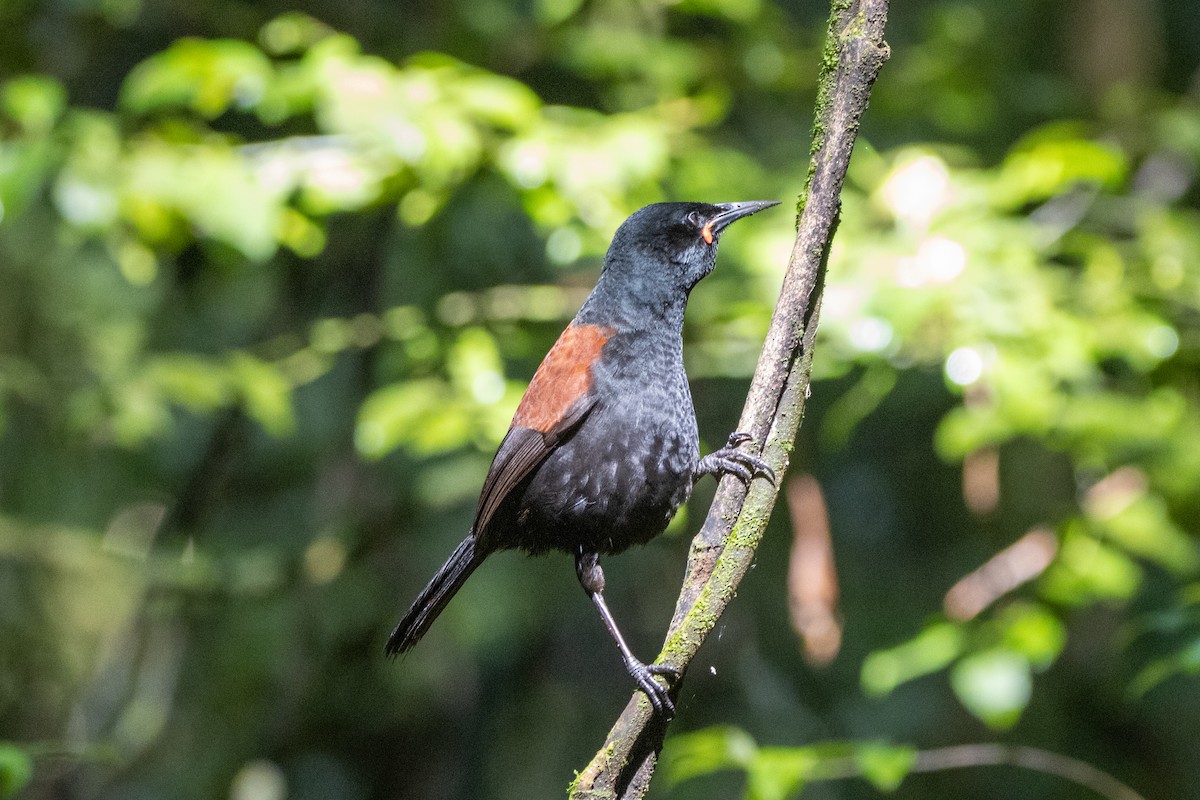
(603, 447)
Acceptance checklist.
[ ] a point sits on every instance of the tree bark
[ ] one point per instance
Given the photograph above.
(722, 551)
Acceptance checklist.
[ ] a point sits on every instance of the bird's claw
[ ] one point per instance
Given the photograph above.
(659, 695)
(729, 459)
(736, 439)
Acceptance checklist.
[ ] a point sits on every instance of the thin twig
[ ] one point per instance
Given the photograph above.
(996, 755)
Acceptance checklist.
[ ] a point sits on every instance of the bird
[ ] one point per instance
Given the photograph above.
(604, 448)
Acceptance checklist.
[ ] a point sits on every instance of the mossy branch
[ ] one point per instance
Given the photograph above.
(723, 550)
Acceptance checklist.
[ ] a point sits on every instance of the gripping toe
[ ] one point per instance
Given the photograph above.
(658, 695)
(737, 439)
(729, 460)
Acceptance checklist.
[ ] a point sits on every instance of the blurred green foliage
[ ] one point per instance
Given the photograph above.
(776, 773)
(271, 285)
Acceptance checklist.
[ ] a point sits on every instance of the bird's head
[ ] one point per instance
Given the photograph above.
(674, 243)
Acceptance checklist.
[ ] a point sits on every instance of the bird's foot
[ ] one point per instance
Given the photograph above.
(659, 695)
(730, 460)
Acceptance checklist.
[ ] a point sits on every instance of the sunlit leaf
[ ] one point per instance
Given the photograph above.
(35, 101)
(1032, 631)
(1053, 161)
(266, 393)
(213, 188)
(291, 32)
(1145, 528)
(475, 367)
(299, 233)
(885, 765)
(931, 650)
(496, 100)
(423, 414)
(1088, 570)
(777, 773)
(140, 412)
(204, 76)
(194, 382)
(994, 685)
(690, 755)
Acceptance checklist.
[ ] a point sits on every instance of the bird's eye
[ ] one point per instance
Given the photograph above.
(694, 218)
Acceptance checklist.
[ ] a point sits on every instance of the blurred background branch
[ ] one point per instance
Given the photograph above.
(777, 773)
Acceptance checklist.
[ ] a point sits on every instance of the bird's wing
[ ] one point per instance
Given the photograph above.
(559, 398)
(522, 450)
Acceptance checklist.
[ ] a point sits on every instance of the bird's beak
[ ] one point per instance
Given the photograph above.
(732, 212)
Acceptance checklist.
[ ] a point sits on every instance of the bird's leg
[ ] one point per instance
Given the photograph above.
(591, 577)
(730, 460)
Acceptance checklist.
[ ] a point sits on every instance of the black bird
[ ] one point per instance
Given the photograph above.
(603, 448)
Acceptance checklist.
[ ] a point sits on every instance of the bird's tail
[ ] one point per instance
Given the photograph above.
(434, 597)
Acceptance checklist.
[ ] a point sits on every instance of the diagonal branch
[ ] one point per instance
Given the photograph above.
(722, 552)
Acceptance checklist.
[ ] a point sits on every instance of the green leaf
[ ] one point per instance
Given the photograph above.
(35, 101)
(194, 382)
(929, 651)
(777, 773)
(885, 765)
(292, 32)
(994, 685)
(1054, 160)
(205, 76)
(1033, 631)
(1184, 662)
(266, 393)
(16, 770)
(422, 414)
(475, 367)
(139, 412)
(1144, 528)
(702, 752)
(497, 100)
(1088, 570)
(25, 168)
(212, 187)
